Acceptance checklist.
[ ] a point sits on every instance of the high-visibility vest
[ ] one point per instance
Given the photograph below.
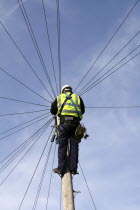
(69, 108)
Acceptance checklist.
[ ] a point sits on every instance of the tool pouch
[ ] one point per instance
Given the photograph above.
(80, 132)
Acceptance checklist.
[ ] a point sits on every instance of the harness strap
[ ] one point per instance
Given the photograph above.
(67, 98)
(70, 98)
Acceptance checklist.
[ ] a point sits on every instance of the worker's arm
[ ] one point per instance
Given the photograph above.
(54, 108)
(82, 105)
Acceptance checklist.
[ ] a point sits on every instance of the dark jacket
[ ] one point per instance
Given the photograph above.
(54, 108)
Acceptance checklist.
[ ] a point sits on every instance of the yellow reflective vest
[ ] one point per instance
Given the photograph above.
(69, 108)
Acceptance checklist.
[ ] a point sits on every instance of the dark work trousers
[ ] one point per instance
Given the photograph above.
(66, 134)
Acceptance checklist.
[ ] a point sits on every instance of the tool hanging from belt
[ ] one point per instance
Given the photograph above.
(55, 135)
(81, 132)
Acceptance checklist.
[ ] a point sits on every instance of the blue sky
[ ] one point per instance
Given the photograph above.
(110, 156)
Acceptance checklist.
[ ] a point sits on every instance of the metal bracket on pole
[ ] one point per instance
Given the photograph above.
(76, 192)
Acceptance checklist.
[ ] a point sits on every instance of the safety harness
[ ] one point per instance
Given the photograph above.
(68, 97)
(80, 131)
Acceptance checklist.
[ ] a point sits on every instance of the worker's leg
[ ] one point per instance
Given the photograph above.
(62, 148)
(74, 148)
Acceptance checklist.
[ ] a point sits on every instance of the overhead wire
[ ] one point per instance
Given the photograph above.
(22, 128)
(49, 41)
(34, 172)
(88, 187)
(112, 107)
(50, 178)
(109, 61)
(96, 82)
(86, 107)
(79, 163)
(59, 42)
(17, 80)
(23, 157)
(42, 178)
(23, 56)
(21, 101)
(22, 144)
(130, 11)
(22, 113)
(22, 148)
(31, 32)
(18, 161)
(23, 123)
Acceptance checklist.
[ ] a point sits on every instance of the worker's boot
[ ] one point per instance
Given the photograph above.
(56, 170)
(74, 172)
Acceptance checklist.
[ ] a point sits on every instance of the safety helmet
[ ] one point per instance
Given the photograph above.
(65, 87)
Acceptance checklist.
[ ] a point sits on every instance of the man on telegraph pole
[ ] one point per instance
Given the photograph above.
(69, 107)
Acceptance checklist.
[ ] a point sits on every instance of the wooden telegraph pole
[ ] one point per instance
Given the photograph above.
(67, 185)
(67, 188)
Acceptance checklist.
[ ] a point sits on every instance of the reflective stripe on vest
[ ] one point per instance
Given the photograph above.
(68, 108)
(70, 111)
(69, 104)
